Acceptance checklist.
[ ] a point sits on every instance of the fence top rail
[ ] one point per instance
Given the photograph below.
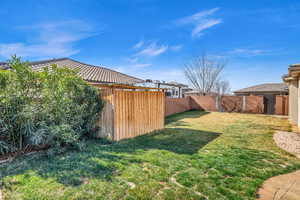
(120, 86)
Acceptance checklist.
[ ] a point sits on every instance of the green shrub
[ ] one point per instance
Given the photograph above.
(54, 107)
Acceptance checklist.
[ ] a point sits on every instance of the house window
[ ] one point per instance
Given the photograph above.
(168, 94)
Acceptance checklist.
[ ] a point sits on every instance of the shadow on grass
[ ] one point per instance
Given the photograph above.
(176, 140)
(175, 119)
(74, 168)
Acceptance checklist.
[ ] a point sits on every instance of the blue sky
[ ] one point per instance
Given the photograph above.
(154, 39)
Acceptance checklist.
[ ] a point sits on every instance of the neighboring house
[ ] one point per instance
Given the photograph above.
(4, 65)
(90, 73)
(186, 90)
(198, 93)
(293, 81)
(269, 91)
(176, 89)
(172, 89)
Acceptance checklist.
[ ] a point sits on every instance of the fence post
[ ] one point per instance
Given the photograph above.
(220, 104)
(217, 103)
(244, 105)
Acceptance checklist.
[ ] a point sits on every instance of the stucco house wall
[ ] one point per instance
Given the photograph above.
(293, 101)
(293, 81)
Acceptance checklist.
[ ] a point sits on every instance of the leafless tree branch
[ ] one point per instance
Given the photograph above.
(204, 74)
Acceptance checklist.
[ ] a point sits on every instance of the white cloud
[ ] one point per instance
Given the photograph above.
(142, 65)
(41, 50)
(145, 51)
(169, 74)
(201, 21)
(244, 53)
(132, 60)
(49, 40)
(248, 52)
(138, 45)
(198, 16)
(176, 47)
(153, 50)
(205, 25)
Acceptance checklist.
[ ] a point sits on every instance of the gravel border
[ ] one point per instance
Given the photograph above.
(288, 141)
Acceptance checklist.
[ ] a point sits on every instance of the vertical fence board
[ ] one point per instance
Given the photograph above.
(176, 105)
(137, 113)
(105, 122)
(254, 104)
(247, 104)
(116, 118)
(281, 105)
(231, 103)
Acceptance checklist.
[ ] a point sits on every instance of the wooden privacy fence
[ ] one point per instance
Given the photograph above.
(128, 113)
(177, 105)
(245, 104)
(282, 105)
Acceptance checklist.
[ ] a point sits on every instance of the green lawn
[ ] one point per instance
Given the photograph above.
(197, 155)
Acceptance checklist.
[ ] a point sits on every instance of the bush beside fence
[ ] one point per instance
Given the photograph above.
(54, 108)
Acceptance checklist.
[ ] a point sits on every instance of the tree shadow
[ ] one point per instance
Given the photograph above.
(176, 140)
(176, 118)
(104, 162)
(71, 168)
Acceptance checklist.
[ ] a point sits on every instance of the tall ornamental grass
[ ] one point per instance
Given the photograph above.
(54, 107)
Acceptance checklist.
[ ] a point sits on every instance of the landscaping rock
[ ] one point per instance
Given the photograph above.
(287, 186)
(288, 141)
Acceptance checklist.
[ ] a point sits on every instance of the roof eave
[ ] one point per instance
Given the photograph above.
(260, 92)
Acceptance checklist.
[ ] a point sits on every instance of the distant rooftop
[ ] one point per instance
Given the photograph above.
(267, 87)
(172, 83)
(90, 73)
(3, 65)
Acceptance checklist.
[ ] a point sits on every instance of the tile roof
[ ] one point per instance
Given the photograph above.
(268, 87)
(295, 65)
(90, 73)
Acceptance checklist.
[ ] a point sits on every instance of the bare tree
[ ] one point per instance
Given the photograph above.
(222, 87)
(205, 74)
